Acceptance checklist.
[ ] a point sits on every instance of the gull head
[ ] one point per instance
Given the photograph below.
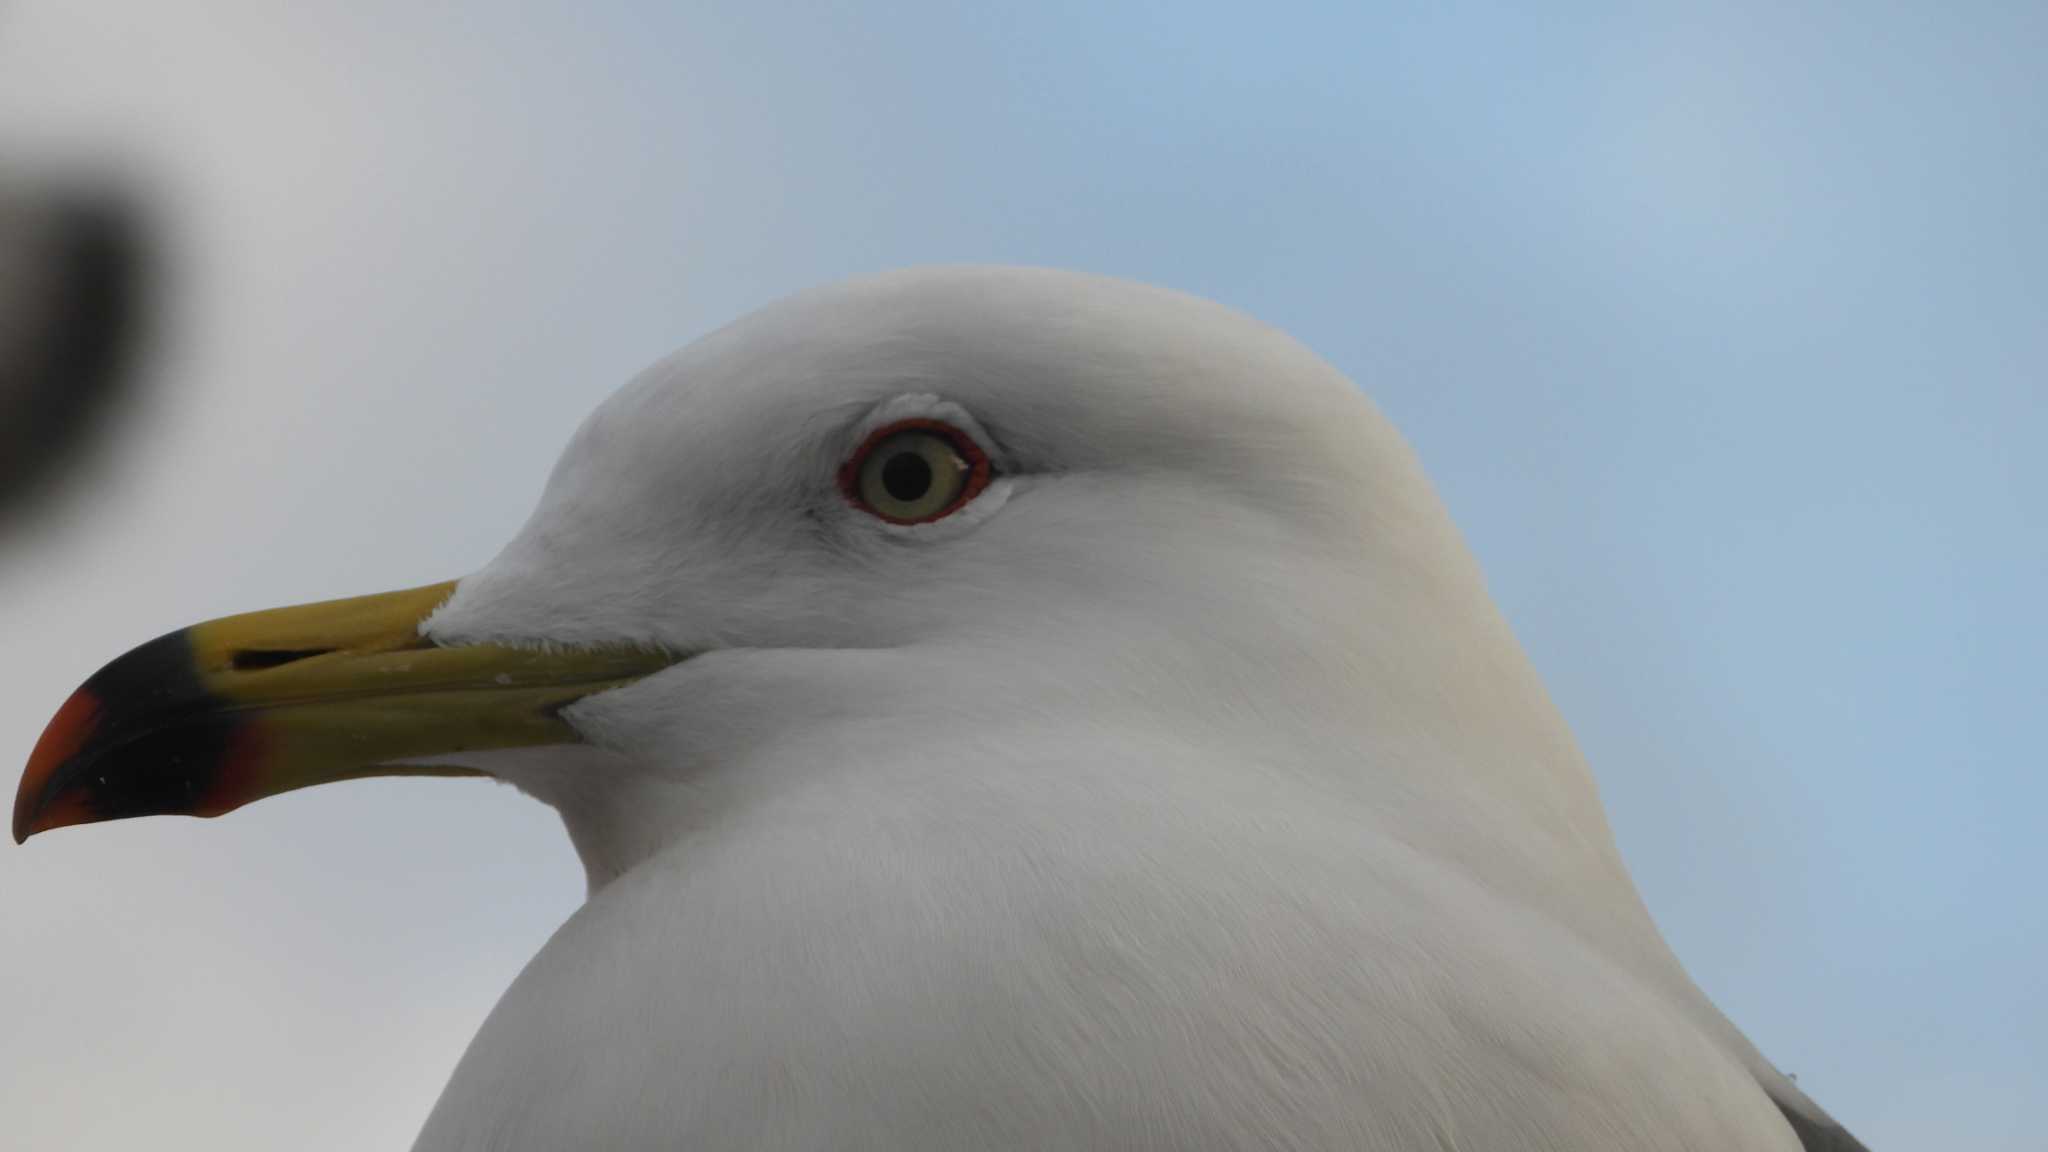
(951, 495)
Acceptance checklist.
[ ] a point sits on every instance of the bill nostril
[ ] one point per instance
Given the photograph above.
(258, 659)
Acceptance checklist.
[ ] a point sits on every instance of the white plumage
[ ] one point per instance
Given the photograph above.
(1184, 790)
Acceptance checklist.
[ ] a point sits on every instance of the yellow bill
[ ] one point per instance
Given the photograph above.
(208, 718)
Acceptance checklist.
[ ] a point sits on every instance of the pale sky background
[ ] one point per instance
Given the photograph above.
(1723, 334)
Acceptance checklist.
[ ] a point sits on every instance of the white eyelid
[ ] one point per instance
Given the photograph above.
(924, 406)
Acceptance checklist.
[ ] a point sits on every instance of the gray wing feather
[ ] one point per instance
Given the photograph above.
(1817, 1131)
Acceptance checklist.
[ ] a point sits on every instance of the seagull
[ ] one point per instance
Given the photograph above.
(994, 708)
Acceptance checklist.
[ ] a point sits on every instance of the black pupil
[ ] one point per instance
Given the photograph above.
(906, 476)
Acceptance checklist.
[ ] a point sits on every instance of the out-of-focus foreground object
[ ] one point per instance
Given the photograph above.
(74, 264)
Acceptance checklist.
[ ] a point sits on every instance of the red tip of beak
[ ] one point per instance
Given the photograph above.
(61, 740)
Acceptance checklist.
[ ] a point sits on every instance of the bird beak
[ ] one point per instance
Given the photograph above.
(211, 717)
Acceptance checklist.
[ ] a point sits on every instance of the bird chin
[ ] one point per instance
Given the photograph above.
(615, 808)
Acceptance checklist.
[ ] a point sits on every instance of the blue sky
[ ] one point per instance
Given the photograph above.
(1720, 331)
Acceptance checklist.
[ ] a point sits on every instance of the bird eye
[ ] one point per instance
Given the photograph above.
(915, 471)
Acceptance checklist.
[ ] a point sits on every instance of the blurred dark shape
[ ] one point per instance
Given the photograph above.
(74, 272)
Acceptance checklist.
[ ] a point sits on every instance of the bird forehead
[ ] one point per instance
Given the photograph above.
(1066, 370)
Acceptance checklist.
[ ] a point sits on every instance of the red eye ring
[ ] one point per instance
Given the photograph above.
(978, 470)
